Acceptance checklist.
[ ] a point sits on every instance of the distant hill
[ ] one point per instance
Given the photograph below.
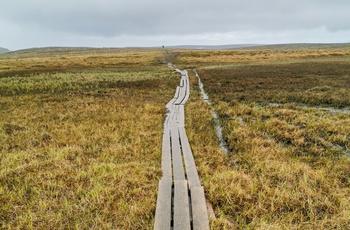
(292, 46)
(59, 51)
(213, 47)
(301, 46)
(3, 50)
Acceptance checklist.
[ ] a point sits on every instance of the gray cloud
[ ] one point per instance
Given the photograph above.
(96, 21)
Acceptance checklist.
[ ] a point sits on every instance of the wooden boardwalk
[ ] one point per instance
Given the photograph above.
(181, 201)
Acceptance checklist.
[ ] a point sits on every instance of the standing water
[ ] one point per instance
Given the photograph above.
(218, 127)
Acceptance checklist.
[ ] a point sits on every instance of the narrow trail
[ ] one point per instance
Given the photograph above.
(181, 201)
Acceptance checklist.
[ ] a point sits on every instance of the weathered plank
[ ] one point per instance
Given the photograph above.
(174, 111)
(178, 115)
(166, 155)
(168, 114)
(178, 169)
(183, 90)
(176, 156)
(182, 220)
(182, 81)
(181, 96)
(190, 165)
(199, 209)
(187, 93)
(163, 210)
(177, 92)
(181, 116)
(170, 103)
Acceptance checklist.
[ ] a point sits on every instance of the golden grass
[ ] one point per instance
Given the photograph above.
(225, 57)
(82, 148)
(45, 62)
(82, 80)
(80, 137)
(287, 167)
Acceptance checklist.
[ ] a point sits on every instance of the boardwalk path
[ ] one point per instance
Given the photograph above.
(181, 201)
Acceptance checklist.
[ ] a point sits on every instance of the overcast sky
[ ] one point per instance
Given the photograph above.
(119, 23)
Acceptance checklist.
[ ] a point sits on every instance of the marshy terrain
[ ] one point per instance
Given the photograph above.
(80, 139)
(81, 130)
(286, 122)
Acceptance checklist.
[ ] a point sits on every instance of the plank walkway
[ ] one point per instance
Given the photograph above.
(181, 201)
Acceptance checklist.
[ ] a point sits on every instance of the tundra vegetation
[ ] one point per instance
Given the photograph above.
(286, 120)
(80, 138)
(81, 129)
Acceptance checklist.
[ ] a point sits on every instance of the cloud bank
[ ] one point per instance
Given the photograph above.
(102, 23)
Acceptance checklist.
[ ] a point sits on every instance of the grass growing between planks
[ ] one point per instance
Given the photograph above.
(288, 166)
(81, 147)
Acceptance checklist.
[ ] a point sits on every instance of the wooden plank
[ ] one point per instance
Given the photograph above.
(199, 209)
(177, 92)
(168, 114)
(181, 96)
(186, 148)
(182, 81)
(187, 94)
(182, 220)
(179, 99)
(175, 111)
(170, 103)
(183, 88)
(163, 210)
(181, 116)
(166, 155)
(178, 169)
(190, 165)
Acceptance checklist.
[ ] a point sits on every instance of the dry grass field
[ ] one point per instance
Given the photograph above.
(286, 121)
(80, 145)
(229, 57)
(81, 129)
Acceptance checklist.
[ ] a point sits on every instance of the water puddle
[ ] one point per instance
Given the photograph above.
(218, 127)
(335, 147)
(332, 110)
